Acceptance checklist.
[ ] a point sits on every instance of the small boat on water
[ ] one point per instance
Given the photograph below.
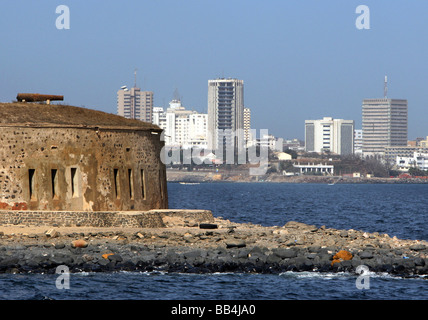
(191, 183)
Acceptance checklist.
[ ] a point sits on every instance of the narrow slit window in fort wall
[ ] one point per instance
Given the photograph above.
(74, 183)
(143, 185)
(31, 181)
(161, 186)
(116, 183)
(54, 183)
(131, 184)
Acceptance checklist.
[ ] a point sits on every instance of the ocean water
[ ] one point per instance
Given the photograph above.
(398, 210)
(227, 286)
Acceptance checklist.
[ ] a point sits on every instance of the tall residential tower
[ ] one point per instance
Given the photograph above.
(226, 113)
(247, 125)
(135, 104)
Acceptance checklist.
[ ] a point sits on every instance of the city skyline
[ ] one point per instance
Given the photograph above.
(299, 61)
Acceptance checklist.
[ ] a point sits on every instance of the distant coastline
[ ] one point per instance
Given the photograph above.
(242, 176)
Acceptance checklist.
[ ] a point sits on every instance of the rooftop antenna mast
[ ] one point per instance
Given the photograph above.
(176, 95)
(135, 77)
(385, 87)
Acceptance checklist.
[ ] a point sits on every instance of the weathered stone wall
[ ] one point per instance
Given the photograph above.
(77, 168)
(125, 219)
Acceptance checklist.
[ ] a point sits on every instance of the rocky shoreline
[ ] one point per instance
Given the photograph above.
(221, 246)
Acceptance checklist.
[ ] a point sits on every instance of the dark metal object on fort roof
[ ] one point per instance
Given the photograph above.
(208, 226)
(35, 97)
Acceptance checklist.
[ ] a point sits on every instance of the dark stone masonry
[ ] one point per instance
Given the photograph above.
(99, 219)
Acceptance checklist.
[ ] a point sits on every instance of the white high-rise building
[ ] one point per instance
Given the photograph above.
(159, 117)
(358, 141)
(328, 134)
(247, 126)
(197, 130)
(182, 128)
(135, 104)
(226, 113)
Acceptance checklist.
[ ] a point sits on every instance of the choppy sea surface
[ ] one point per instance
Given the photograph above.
(399, 210)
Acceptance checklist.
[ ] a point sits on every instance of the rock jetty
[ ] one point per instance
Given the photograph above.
(217, 246)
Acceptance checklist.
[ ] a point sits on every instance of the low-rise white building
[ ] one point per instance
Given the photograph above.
(271, 142)
(315, 168)
(282, 156)
(419, 160)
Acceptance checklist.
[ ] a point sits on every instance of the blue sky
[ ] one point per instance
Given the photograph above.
(298, 59)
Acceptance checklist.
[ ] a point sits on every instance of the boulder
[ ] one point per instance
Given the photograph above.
(87, 257)
(417, 247)
(59, 245)
(301, 264)
(342, 255)
(193, 254)
(79, 243)
(366, 254)
(235, 244)
(344, 234)
(106, 255)
(300, 226)
(419, 262)
(285, 253)
(52, 233)
(139, 235)
(115, 258)
(273, 258)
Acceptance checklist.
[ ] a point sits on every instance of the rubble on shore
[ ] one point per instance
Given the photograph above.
(222, 246)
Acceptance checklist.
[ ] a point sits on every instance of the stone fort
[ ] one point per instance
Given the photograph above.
(65, 158)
